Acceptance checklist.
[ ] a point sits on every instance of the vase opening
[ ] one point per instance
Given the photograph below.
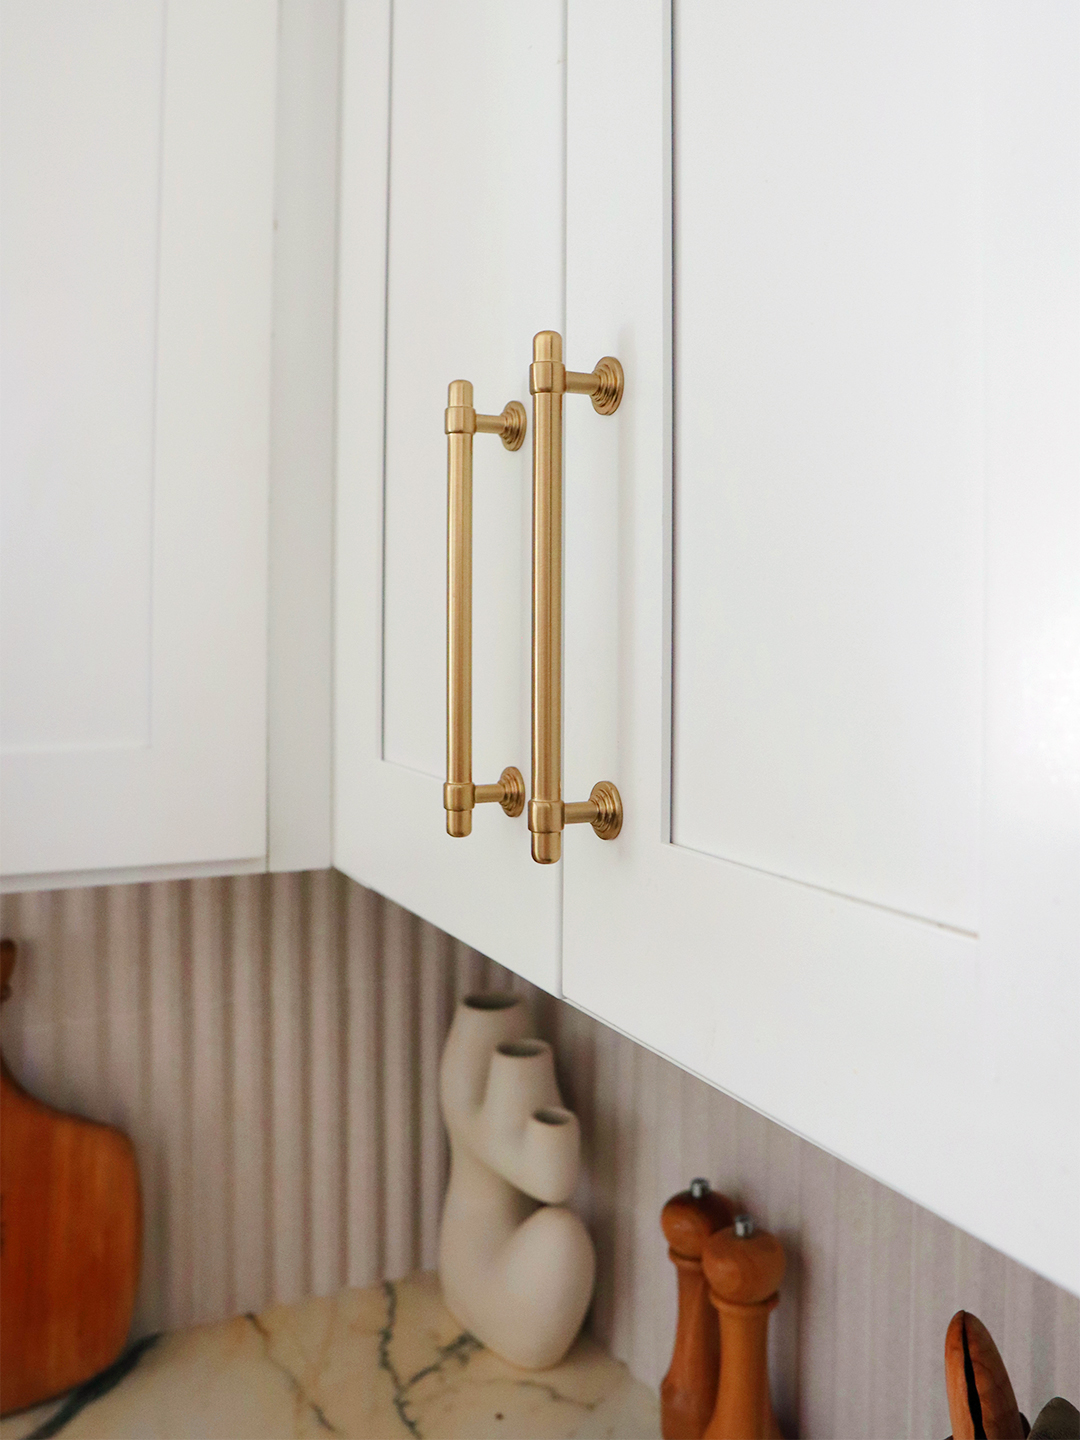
(495, 1000)
(552, 1115)
(522, 1049)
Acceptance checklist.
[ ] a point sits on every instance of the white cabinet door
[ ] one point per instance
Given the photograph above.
(821, 591)
(451, 259)
(137, 238)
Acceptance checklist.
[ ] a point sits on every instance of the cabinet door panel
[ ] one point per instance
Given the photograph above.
(475, 240)
(823, 583)
(81, 191)
(137, 291)
(451, 259)
(828, 513)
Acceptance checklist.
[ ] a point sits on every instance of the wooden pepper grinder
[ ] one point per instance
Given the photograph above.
(743, 1266)
(688, 1391)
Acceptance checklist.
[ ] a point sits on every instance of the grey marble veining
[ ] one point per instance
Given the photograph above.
(379, 1363)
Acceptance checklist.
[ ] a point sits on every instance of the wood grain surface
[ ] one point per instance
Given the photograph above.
(69, 1258)
(744, 1274)
(981, 1398)
(688, 1390)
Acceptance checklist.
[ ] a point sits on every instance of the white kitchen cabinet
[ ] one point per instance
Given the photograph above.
(820, 579)
(448, 283)
(141, 275)
(820, 567)
(842, 654)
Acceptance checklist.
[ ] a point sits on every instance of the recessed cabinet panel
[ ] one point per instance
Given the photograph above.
(475, 240)
(828, 541)
(82, 100)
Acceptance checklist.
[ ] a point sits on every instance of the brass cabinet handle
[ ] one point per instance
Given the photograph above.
(549, 380)
(459, 792)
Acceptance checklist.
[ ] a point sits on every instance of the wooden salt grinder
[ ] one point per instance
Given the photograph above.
(743, 1267)
(688, 1391)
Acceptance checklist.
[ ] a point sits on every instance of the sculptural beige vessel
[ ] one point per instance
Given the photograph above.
(517, 1267)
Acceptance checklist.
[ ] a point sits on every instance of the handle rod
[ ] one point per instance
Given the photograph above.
(460, 795)
(545, 809)
(549, 380)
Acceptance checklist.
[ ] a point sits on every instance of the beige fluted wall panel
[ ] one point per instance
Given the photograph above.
(272, 1042)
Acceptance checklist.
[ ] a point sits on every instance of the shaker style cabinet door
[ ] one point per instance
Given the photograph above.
(822, 577)
(451, 258)
(137, 239)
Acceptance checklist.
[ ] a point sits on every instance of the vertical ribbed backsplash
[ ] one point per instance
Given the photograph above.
(271, 1043)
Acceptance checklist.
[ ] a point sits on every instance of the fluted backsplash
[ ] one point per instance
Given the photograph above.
(271, 1043)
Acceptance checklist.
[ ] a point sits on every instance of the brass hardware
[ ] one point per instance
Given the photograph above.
(459, 792)
(549, 380)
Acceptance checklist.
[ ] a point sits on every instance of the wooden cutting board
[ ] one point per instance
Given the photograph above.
(69, 1242)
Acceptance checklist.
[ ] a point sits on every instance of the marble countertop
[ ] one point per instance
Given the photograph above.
(373, 1364)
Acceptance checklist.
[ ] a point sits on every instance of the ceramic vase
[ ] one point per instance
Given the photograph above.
(517, 1267)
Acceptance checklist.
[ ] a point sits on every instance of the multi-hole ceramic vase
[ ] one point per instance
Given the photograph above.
(517, 1267)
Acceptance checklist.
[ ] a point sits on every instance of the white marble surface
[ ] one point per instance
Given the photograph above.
(373, 1364)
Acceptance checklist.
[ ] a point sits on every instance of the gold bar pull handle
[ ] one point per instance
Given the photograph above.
(549, 380)
(459, 792)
